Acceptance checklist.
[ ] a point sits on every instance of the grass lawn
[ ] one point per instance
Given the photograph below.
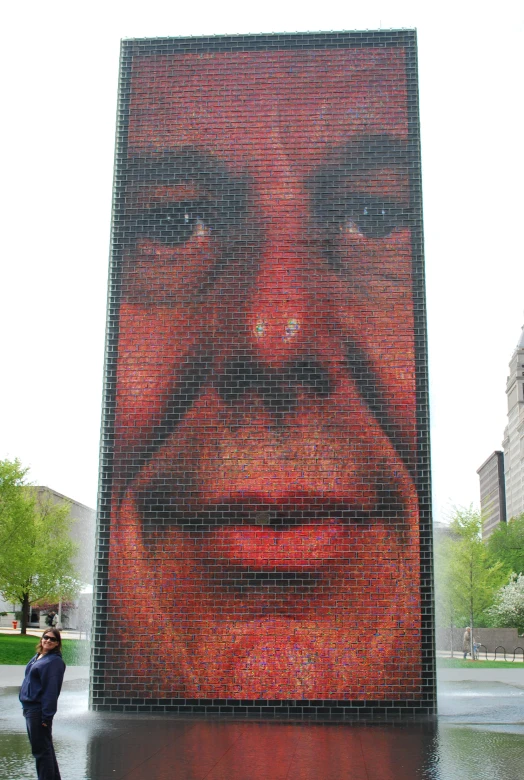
(465, 663)
(18, 649)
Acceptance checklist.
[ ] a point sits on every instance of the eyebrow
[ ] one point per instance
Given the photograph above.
(356, 160)
(189, 164)
(368, 153)
(362, 154)
(185, 164)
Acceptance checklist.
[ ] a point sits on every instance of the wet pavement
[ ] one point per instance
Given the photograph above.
(479, 735)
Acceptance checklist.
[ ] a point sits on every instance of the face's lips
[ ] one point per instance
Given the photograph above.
(297, 533)
(160, 505)
(306, 547)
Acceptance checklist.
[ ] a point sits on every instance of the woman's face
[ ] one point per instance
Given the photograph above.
(49, 642)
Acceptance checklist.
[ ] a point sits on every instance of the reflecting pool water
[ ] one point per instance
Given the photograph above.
(478, 736)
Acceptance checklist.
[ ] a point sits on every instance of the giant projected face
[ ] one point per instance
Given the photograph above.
(265, 521)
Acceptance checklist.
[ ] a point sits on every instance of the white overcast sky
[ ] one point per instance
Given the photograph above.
(59, 69)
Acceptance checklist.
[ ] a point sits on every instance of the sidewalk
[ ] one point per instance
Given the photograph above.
(513, 677)
(519, 659)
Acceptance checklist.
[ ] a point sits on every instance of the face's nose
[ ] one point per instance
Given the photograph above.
(285, 309)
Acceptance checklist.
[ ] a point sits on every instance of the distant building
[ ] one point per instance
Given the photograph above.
(502, 474)
(492, 493)
(514, 434)
(83, 534)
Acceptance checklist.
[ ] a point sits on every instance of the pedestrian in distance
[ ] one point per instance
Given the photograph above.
(50, 618)
(466, 642)
(39, 698)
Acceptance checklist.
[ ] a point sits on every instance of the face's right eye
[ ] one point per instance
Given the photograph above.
(372, 217)
(171, 224)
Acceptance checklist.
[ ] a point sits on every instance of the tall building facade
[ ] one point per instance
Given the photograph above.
(514, 434)
(492, 493)
(264, 506)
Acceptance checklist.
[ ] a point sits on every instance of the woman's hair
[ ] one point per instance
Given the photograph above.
(57, 646)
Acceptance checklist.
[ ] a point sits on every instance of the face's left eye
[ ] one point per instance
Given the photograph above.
(371, 217)
(171, 224)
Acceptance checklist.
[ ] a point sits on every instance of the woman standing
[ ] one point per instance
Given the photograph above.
(39, 697)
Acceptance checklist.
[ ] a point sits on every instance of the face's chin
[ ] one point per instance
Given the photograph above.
(233, 630)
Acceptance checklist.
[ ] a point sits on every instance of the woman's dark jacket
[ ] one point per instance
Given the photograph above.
(42, 685)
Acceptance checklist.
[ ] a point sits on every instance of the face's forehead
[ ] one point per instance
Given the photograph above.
(248, 107)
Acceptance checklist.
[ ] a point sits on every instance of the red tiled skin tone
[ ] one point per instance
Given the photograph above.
(265, 387)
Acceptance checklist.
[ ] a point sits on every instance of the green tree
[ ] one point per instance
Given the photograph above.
(36, 558)
(467, 579)
(506, 544)
(12, 503)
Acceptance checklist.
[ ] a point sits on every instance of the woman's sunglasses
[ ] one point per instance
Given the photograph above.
(50, 638)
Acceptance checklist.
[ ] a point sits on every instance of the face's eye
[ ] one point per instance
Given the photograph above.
(171, 224)
(371, 217)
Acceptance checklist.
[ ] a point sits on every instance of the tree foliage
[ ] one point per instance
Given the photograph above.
(12, 503)
(36, 551)
(449, 612)
(506, 544)
(508, 609)
(466, 577)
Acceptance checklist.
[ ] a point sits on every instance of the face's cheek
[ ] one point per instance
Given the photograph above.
(164, 321)
(162, 274)
(375, 307)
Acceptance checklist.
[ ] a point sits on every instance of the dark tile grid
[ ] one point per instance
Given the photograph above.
(101, 658)
(357, 711)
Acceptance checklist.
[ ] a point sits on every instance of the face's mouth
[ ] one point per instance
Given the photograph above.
(267, 495)
(295, 533)
(305, 547)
